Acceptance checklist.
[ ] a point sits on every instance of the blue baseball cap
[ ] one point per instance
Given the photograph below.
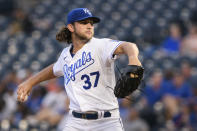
(80, 14)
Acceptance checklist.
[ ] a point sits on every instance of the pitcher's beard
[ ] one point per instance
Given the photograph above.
(83, 38)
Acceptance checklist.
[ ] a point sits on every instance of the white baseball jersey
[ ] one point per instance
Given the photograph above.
(89, 75)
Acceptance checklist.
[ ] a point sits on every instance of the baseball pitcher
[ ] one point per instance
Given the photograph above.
(87, 65)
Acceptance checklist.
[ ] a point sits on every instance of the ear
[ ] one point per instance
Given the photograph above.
(70, 27)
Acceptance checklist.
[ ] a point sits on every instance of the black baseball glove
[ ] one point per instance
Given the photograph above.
(129, 81)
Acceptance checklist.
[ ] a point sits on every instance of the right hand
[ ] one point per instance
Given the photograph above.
(23, 91)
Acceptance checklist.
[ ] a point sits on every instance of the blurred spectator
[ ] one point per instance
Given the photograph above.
(21, 112)
(35, 99)
(133, 122)
(181, 118)
(21, 23)
(188, 45)
(171, 106)
(9, 80)
(155, 88)
(10, 102)
(193, 108)
(149, 115)
(186, 70)
(172, 43)
(8, 94)
(52, 85)
(52, 109)
(180, 88)
(179, 93)
(125, 104)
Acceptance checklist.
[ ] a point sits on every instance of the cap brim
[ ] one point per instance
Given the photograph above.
(94, 18)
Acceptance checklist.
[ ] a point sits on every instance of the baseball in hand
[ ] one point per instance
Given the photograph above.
(26, 97)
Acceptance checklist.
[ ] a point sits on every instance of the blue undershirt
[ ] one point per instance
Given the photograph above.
(71, 49)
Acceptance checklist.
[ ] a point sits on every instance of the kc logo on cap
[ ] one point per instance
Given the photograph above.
(87, 11)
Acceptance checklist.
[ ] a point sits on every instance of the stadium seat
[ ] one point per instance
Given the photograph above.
(126, 20)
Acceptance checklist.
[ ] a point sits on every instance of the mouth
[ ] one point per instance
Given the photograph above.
(89, 32)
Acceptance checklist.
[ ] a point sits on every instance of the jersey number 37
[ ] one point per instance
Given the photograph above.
(86, 78)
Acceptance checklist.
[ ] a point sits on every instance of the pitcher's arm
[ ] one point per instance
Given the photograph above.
(25, 87)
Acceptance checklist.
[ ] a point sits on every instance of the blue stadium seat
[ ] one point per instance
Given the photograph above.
(106, 8)
(126, 20)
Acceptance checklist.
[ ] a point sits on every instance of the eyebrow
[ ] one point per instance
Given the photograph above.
(86, 21)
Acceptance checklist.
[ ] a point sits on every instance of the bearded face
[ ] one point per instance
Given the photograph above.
(84, 29)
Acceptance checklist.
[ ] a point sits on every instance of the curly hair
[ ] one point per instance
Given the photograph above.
(64, 35)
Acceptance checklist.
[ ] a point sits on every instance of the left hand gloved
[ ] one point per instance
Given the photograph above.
(129, 81)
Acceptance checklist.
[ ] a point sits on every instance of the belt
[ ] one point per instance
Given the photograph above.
(90, 116)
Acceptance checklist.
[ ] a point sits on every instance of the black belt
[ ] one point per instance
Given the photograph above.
(90, 116)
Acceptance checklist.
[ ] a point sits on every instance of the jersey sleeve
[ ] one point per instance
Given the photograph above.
(58, 66)
(109, 48)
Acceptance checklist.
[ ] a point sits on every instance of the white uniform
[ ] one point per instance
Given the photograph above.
(89, 82)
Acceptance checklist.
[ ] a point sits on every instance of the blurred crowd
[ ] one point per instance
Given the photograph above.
(180, 38)
(47, 103)
(167, 102)
(167, 99)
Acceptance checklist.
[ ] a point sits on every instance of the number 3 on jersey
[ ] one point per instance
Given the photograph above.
(87, 81)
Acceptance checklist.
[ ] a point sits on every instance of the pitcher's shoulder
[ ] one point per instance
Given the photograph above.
(94, 39)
